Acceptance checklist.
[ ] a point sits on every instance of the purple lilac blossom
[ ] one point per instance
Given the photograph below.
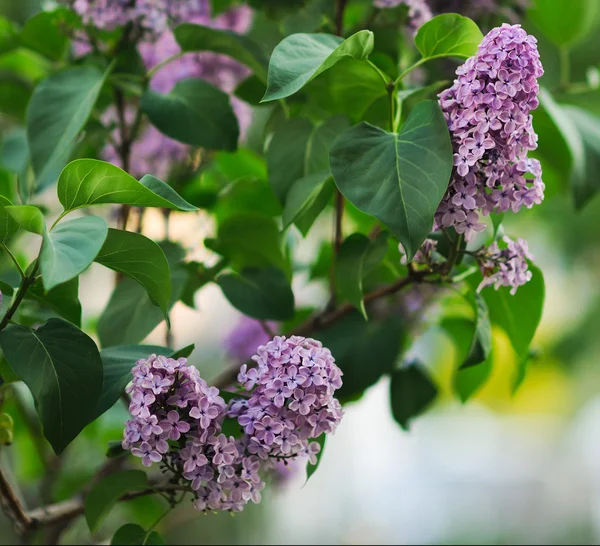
(488, 114)
(241, 343)
(423, 256)
(505, 267)
(291, 400)
(177, 419)
(418, 10)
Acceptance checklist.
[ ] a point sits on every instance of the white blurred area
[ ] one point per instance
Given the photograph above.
(499, 470)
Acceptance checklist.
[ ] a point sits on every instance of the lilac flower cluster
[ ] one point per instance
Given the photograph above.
(505, 267)
(418, 10)
(152, 16)
(241, 343)
(177, 419)
(291, 399)
(423, 256)
(488, 114)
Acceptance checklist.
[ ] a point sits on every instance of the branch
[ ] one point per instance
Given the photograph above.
(67, 510)
(12, 506)
(324, 319)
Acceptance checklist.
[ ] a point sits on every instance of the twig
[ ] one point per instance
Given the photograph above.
(12, 506)
(25, 284)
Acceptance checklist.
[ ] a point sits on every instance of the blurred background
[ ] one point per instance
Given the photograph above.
(504, 468)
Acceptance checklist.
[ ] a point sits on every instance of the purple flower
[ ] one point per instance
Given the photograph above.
(147, 453)
(505, 267)
(204, 412)
(173, 427)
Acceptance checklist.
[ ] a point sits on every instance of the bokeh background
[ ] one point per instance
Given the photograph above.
(504, 468)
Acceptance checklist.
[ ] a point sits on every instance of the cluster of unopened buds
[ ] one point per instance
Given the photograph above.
(284, 404)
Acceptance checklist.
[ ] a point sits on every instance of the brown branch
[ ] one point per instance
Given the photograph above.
(11, 505)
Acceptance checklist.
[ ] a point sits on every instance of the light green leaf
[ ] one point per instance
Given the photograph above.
(195, 113)
(134, 535)
(105, 494)
(45, 33)
(306, 199)
(398, 178)
(411, 393)
(448, 35)
(299, 58)
(141, 259)
(357, 255)
(30, 218)
(63, 370)
(86, 182)
(242, 48)
(264, 294)
(8, 226)
(70, 248)
(63, 299)
(565, 23)
(118, 362)
(58, 110)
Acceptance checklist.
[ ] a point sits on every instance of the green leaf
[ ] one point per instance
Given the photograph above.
(8, 226)
(357, 256)
(105, 494)
(63, 370)
(30, 218)
(195, 113)
(185, 352)
(250, 90)
(44, 33)
(411, 393)
(497, 218)
(299, 58)
(141, 259)
(242, 48)
(312, 468)
(518, 315)
(250, 240)
(585, 182)
(482, 339)
(565, 23)
(63, 299)
(86, 182)
(9, 35)
(448, 35)
(115, 450)
(118, 362)
(58, 110)
(70, 248)
(134, 535)
(263, 294)
(398, 178)
(306, 199)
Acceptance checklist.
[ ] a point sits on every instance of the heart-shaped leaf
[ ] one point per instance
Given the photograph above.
(30, 218)
(448, 35)
(398, 178)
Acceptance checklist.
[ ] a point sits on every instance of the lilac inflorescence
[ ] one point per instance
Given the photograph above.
(505, 266)
(291, 400)
(488, 114)
(178, 419)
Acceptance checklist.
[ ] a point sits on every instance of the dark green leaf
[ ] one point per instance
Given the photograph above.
(299, 58)
(30, 218)
(105, 494)
(251, 90)
(198, 38)
(134, 535)
(482, 339)
(497, 218)
(141, 259)
(70, 248)
(263, 294)
(398, 178)
(357, 256)
(86, 182)
(63, 370)
(115, 450)
(312, 468)
(58, 110)
(9, 35)
(185, 352)
(195, 113)
(411, 393)
(448, 35)
(306, 199)
(45, 33)
(63, 299)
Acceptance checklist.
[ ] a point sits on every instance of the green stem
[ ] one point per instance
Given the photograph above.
(454, 253)
(390, 91)
(565, 67)
(25, 284)
(386, 79)
(17, 264)
(410, 69)
(164, 63)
